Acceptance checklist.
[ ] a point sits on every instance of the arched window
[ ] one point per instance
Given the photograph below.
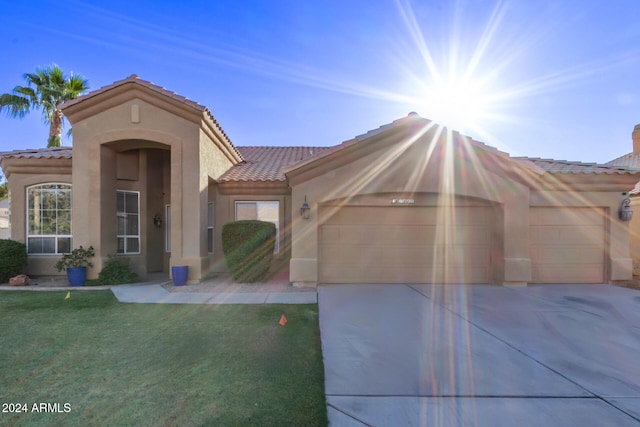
(49, 219)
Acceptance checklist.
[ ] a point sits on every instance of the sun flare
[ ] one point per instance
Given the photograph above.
(458, 104)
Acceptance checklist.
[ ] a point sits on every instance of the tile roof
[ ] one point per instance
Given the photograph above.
(629, 160)
(133, 78)
(268, 163)
(39, 153)
(564, 166)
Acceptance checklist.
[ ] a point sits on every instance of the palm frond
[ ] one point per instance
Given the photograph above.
(47, 88)
(14, 105)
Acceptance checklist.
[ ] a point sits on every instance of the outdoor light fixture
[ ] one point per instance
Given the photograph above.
(305, 210)
(157, 221)
(625, 213)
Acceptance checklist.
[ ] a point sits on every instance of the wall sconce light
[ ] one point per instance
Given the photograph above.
(157, 221)
(625, 213)
(305, 210)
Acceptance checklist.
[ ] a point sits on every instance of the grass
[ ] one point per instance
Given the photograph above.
(157, 364)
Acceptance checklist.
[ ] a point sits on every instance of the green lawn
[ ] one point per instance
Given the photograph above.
(158, 364)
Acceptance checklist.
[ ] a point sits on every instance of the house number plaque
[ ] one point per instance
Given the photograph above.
(402, 201)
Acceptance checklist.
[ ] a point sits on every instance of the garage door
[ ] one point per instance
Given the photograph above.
(566, 245)
(360, 244)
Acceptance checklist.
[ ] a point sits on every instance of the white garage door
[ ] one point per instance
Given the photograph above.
(566, 245)
(401, 244)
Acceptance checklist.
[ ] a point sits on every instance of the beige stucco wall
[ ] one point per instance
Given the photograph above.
(618, 263)
(193, 162)
(50, 171)
(634, 231)
(225, 208)
(395, 168)
(393, 165)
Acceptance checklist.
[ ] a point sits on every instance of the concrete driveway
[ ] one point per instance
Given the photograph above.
(481, 355)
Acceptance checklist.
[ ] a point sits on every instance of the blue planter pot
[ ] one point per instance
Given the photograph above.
(180, 274)
(77, 276)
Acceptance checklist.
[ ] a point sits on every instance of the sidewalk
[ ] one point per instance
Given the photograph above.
(216, 290)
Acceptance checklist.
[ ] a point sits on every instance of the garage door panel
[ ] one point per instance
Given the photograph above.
(409, 235)
(339, 273)
(566, 273)
(403, 256)
(567, 253)
(565, 216)
(405, 245)
(576, 235)
(567, 245)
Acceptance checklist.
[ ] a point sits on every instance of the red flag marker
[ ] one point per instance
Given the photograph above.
(283, 320)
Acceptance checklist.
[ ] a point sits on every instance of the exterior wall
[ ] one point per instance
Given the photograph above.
(634, 231)
(225, 211)
(392, 171)
(192, 162)
(618, 263)
(18, 184)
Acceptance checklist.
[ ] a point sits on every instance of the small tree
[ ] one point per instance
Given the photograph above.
(248, 248)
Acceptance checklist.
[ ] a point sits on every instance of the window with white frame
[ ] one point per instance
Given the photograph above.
(128, 211)
(49, 219)
(210, 228)
(268, 211)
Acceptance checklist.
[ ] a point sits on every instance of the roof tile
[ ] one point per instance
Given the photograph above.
(268, 163)
(39, 153)
(629, 160)
(564, 166)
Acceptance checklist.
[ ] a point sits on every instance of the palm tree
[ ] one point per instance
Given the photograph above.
(46, 89)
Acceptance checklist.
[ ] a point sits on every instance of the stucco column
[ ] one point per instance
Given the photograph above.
(303, 267)
(176, 205)
(188, 210)
(517, 263)
(93, 196)
(620, 262)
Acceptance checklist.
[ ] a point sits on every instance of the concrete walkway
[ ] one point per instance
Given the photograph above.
(218, 290)
(159, 294)
(481, 355)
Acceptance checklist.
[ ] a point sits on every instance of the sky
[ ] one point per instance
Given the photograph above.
(550, 79)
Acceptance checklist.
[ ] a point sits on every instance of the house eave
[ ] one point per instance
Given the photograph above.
(275, 188)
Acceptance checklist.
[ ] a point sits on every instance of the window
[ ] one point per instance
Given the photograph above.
(263, 211)
(49, 219)
(128, 211)
(210, 228)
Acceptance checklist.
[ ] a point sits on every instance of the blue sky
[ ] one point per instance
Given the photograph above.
(551, 79)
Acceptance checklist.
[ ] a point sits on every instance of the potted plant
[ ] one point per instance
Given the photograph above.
(76, 264)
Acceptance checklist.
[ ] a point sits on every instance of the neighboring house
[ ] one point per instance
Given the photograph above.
(154, 177)
(4, 219)
(632, 161)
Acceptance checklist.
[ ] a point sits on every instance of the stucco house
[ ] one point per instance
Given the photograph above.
(632, 161)
(153, 176)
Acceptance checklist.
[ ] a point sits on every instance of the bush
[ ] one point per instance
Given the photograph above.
(78, 257)
(116, 271)
(248, 248)
(13, 259)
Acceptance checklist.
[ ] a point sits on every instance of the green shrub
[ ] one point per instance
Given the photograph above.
(78, 257)
(248, 248)
(13, 259)
(116, 271)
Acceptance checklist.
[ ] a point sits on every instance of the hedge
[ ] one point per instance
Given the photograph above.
(248, 248)
(13, 259)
